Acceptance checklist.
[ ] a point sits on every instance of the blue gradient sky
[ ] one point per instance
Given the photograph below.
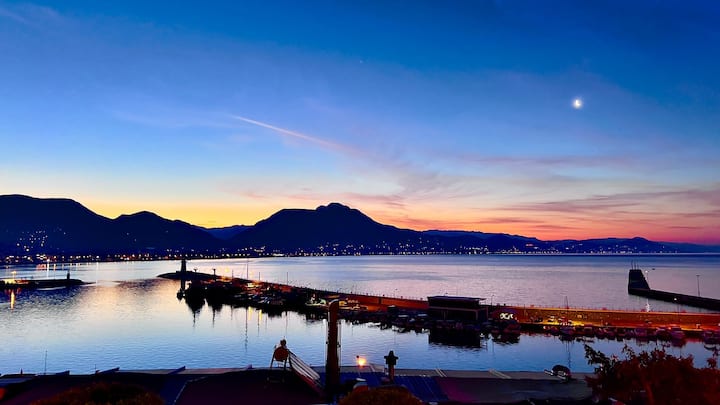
(426, 115)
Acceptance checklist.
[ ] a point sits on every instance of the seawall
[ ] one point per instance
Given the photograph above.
(638, 285)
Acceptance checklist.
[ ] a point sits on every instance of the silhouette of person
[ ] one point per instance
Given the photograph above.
(281, 352)
(391, 360)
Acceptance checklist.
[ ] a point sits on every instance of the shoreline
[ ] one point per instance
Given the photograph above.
(84, 259)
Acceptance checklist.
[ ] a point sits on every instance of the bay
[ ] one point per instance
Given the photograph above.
(129, 318)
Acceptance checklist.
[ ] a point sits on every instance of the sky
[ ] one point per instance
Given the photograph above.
(555, 119)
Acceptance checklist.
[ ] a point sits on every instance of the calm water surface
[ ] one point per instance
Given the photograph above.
(128, 318)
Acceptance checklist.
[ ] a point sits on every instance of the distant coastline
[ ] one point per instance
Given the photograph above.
(12, 261)
(35, 230)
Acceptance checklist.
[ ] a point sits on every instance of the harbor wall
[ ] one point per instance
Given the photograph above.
(638, 285)
(599, 317)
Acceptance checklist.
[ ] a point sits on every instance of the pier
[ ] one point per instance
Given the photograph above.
(638, 285)
(6, 285)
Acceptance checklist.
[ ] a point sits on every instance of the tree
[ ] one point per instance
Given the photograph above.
(653, 378)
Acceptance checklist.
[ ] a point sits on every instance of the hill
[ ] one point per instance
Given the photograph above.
(32, 226)
(54, 226)
(332, 227)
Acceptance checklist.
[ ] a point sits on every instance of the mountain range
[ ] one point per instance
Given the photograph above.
(30, 227)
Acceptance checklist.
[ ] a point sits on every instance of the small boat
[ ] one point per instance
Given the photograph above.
(711, 336)
(195, 291)
(663, 333)
(640, 333)
(567, 331)
(511, 330)
(317, 305)
(241, 299)
(676, 333)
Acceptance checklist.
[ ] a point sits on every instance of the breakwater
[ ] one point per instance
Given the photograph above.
(638, 285)
(38, 284)
(692, 322)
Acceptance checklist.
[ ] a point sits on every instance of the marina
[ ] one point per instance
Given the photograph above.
(455, 318)
(127, 317)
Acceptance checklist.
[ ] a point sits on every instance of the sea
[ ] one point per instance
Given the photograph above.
(129, 318)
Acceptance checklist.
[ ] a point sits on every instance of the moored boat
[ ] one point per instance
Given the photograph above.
(676, 333)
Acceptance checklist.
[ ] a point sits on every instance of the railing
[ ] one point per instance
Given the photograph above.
(305, 372)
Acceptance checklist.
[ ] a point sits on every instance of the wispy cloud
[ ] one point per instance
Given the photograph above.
(625, 202)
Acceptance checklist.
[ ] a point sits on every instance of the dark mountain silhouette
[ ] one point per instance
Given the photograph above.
(146, 231)
(334, 224)
(52, 225)
(31, 226)
(225, 233)
(629, 245)
(62, 226)
(492, 241)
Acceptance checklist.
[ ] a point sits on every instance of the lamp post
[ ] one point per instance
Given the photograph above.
(360, 360)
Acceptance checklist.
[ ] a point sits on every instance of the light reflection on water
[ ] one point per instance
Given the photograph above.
(132, 320)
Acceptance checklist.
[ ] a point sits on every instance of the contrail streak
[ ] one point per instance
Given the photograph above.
(321, 142)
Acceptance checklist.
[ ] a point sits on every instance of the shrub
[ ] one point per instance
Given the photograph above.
(653, 378)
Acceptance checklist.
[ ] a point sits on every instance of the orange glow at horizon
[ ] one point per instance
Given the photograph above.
(542, 225)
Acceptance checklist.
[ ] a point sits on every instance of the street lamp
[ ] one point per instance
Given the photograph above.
(360, 360)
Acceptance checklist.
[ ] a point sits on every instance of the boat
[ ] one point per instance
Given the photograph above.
(317, 305)
(567, 331)
(511, 330)
(240, 299)
(272, 304)
(195, 291)
(711, 336)
(640, 332)
(663, 333)
(676, 333)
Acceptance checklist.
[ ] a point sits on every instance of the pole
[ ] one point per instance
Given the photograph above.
(698, 283)
(332, 361)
